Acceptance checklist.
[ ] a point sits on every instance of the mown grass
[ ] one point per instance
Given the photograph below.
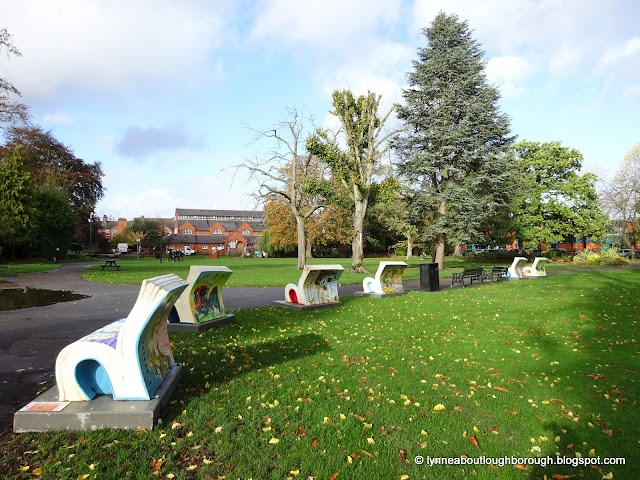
(274, 272)
(531, 368)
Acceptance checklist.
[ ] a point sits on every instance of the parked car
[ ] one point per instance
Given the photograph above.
(562, 250)
(625, 252)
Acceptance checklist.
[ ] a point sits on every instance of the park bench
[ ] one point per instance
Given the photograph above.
(201, 301)
(110, 264)
(128, 358)
(495, 274)
(318, 285)
(388, 279)
(470, 273)
(537, 269)
(515, 271)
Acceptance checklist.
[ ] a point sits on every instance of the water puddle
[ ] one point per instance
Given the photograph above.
(16, 298)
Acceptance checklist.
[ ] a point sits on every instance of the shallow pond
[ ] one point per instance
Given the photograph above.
(15, 298)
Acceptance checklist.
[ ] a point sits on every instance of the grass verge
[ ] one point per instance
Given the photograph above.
(545, 367)
(274, 272)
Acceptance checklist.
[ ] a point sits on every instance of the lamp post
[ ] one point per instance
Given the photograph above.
(90, 232)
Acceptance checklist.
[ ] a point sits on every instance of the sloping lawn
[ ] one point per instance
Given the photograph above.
(529, 369)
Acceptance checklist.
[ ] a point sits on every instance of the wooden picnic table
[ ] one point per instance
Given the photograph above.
(110, 263)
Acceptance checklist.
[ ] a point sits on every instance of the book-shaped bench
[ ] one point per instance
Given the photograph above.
(515, 271)
(537, 269)
(200, 306)
(128, 358)
(317, 288)
(387, 282)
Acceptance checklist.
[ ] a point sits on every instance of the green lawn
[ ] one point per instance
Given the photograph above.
(527, 369)
(272, 272)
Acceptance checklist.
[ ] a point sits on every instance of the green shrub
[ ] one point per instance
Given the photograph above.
(611, 257)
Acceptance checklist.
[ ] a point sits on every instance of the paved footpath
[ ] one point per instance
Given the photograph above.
(32, 337)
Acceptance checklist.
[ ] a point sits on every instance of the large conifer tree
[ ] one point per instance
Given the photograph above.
(455, 149)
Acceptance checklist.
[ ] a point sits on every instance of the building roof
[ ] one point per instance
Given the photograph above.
(206, 214)
(193, 238)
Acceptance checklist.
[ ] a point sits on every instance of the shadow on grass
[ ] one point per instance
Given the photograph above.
(222, 363)
(593, 339)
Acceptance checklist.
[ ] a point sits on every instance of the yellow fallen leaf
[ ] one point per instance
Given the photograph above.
(217, 430)
(592, 452)
(24, 468)
(294, 472)
(274, 440)
(367, 425)
(37, 471)
(404, 477)
(475, 429)
(192, 467)
(349, 459)
(82, 477)
(170, 475)
(370, 440)
(438, 407)
(608, 476)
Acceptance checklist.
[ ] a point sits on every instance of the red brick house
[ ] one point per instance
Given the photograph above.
(205, 231)
(208, 231)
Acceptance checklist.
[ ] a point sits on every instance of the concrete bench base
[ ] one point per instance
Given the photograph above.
(200, 327)
(298, 307)
(100, 413)
(379, 295)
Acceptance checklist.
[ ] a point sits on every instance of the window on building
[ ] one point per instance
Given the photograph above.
(246, 232)
(218, 231)
(232, 244)
(113, 232)
(187, 230)
(106, 232)
(205, 247)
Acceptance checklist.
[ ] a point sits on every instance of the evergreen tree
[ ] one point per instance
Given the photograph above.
(455, 150)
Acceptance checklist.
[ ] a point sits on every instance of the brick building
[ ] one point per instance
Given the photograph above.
(205, 231)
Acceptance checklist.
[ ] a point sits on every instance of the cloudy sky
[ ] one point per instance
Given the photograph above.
(165, 94)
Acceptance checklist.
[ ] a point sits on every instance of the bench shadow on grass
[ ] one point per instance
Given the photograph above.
(229, 362)
(603, 364)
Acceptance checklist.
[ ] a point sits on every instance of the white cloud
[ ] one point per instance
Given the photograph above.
(630, 48)
(324, 24)
(110, 47)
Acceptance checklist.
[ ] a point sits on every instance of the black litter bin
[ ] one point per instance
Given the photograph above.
(429, 277)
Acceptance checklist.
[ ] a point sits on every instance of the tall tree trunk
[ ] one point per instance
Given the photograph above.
(302, 242)
(458, 251)
(309, 253)
(357, 244)
(409, 246)
(438, 250)
(439, 241)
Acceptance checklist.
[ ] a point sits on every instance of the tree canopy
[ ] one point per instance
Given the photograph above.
(554, 201)
(455, 152)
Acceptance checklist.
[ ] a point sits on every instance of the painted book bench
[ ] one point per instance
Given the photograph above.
(387, 282)
(537, 269)
(515, 271)
(317, 288)
(200, 306)
(128, 358)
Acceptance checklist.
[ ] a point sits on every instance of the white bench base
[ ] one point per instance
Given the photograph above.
(199, 327)
(101, 412)
(379, 295)
(298, 306)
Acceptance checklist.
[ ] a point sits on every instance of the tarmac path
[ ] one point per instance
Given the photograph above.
(32, 337)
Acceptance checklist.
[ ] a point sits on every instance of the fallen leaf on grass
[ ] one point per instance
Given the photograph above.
(521, 467)
(314, 442)
(274, 440)
(333, 477)
(607, 432)
(474, 440)
(502, 389)
(559, 476)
